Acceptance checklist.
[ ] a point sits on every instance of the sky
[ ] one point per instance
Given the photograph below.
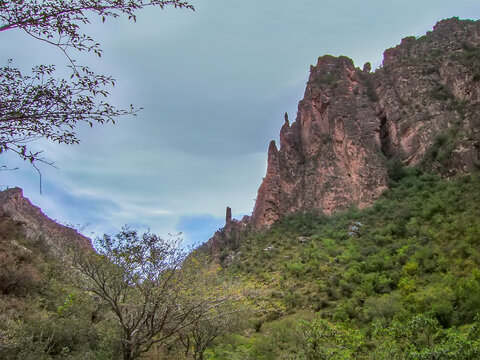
(214, 84)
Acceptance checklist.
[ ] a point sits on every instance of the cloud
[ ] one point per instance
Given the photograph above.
(214, 85)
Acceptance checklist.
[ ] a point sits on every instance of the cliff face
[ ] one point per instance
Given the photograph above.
(329, 157)
(226, 238)
(428, 98)
(420, 108)
(34, 223)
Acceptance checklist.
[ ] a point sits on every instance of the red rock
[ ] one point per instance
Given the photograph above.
(351, 121)
(422, 108)
(35, 223)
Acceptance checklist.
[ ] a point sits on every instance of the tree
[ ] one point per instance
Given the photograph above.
(39, 105)
(143, 281)
(324, 340)
(207, 323)
(204, 330)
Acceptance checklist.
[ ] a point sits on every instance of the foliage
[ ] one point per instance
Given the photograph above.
(440, 152)
(413, 255)
(137, 293)
(40, 105)
(470, 58)
(138, 278)
(278, 340)
(325, 81)
(230, 314)
(325, 341)
(40, 316)
(441, 92)
(399, 280)
(156, 293)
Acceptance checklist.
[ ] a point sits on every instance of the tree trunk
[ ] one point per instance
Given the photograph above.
(127, 350)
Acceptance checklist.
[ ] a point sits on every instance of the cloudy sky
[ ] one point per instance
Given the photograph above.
(214, 85)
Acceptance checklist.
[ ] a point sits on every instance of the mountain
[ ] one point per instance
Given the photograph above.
(420, 108)
(397, 280)
(355, 128)
(364, 242)
(365, 235)
(30, 219)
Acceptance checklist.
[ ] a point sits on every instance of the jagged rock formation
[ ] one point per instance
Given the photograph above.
(329, 157)
(34, 223)
(228, 215)
(421, 108)
(226, 237)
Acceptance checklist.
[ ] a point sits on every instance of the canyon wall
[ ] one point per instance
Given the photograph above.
(420, 108)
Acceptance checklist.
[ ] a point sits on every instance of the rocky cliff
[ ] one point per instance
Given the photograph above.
(420, 108)
(353, 126)
(34, 223)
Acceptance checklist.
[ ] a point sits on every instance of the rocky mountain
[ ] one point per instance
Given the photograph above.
(30, 219)
(354, 126)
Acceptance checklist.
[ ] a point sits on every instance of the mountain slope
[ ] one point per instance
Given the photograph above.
(355, 127)
(397, 280)
(365, 229)
(420, 108)
(35, 223)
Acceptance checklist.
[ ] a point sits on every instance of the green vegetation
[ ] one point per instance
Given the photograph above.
(327, 80)
(139, 295)
(48, 106)
(470, 58)
(398, 280)
(371, 93)
(41, 317)
(441, 149)
(440, 92)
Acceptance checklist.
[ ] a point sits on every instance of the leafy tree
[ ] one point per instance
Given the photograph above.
(208, 323)
(40, 105)
(421, 338)
(324, 340)
(142, 280)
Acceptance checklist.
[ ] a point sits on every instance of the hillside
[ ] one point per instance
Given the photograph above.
(35, 223)
(411, 258)
(364, 242)
(365, 229)
(420, 108)
(42, 315)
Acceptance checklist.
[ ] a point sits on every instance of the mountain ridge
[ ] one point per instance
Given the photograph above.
(14, 205)
(420, 108)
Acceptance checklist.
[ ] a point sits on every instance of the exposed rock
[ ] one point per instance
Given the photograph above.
(354, 229)
(228, 215)
(35, 223)
(329, 157)
(270, 248)
(427, 89)
(226, 237)
(421, 108)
